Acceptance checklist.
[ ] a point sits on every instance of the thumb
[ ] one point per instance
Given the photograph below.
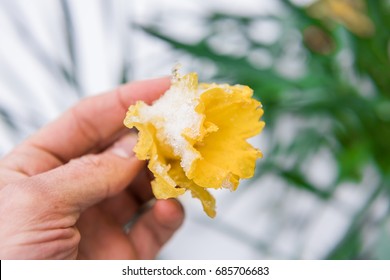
(92, 178)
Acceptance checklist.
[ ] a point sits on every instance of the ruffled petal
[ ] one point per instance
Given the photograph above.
(225, 154)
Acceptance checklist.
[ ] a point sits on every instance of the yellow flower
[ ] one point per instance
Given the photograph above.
(195, 136)
(350, 13)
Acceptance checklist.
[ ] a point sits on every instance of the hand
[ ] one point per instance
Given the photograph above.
(68, 190)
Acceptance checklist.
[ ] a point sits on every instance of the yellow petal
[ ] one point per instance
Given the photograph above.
(207, 200)
(225, 154)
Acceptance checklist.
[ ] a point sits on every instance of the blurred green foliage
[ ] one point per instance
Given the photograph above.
(341, 95)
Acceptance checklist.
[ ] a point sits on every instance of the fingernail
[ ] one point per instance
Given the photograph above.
(124, 146)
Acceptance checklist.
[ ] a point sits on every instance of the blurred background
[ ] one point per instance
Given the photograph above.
(320, 68)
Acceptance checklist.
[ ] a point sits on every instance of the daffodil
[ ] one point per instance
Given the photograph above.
(195, 138)
(350, 13)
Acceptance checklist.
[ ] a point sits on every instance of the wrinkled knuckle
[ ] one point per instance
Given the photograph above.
(91, 161)
(67, 248)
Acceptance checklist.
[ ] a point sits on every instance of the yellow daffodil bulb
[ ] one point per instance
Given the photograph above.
(195, 138)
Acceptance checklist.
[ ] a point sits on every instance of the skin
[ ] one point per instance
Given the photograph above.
(68, 190)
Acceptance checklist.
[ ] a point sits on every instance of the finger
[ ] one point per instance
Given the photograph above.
(103, 238)
(89, 125)
(141, 188)
(156, 227)
(123, 206)
(94, 119)
(90, 179)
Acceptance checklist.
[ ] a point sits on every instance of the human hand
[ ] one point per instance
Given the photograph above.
(68, 190)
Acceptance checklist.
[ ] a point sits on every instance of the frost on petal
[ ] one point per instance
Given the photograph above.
(150, 148)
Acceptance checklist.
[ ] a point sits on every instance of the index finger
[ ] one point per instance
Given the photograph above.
(92, 121)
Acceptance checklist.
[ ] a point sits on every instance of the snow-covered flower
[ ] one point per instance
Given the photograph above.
(195, 138)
